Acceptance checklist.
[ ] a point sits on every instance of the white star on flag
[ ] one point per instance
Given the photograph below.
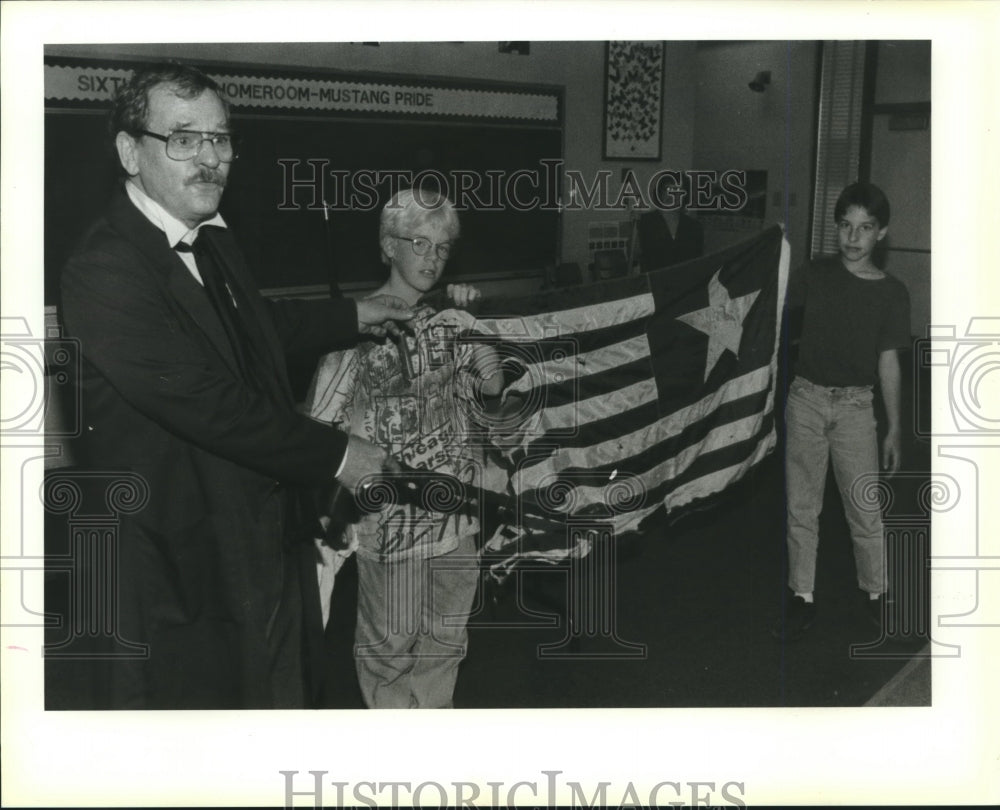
(721, 320)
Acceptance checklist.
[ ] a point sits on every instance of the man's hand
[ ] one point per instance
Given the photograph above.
(378, 315)
(364, 460)
(462, 294)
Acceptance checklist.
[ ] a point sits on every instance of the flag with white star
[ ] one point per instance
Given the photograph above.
(644, 394)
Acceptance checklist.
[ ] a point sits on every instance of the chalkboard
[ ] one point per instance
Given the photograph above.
(298, 247)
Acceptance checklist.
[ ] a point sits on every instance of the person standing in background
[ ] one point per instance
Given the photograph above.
(668, 235)
(856, 319)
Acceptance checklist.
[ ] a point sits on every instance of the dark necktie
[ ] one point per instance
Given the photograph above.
(213, 277)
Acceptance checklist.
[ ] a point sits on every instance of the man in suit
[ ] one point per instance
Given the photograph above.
(184, 383)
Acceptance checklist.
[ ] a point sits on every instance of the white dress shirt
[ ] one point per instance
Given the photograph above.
(174, 230)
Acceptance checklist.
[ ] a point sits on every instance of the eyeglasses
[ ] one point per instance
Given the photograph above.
(421, 245)
(184, 144)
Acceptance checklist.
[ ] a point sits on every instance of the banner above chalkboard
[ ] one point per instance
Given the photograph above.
(95, 84)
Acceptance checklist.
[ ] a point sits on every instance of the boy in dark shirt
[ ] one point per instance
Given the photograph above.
(856, 319)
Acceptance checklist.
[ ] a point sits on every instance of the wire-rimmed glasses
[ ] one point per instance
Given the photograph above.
(184, 144)
(421, 245)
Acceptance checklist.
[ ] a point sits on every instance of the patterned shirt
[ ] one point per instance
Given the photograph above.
(415, 406)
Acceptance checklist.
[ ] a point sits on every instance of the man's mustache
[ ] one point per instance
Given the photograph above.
(207, 176)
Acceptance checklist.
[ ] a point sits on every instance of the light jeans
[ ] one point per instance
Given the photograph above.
(822, 424)
(411, 632)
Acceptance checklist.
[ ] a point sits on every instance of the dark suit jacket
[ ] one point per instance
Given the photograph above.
(658, 249)
(206, 576)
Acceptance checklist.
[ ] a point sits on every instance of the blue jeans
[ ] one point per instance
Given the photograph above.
(823, 424)
(411, 630)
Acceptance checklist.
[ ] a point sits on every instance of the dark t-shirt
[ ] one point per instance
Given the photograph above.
(848, 322)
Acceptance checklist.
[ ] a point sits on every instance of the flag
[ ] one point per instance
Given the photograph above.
(629, 399)
(640, 396)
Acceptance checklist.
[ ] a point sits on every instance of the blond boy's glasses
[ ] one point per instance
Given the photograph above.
(422, 245)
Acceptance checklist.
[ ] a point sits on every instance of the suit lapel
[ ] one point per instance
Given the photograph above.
(191, 297)
(179, 283)
(253, 314)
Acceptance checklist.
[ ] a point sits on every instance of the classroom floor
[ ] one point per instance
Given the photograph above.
(690, 627)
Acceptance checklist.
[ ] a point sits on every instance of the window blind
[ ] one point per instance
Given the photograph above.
(838, 135)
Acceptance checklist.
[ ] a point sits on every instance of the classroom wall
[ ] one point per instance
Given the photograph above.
(904, 71)
(901, 166)
(711, 120)
(577, 66)
(737, 128)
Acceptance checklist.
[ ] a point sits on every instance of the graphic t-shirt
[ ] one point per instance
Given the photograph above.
(416, 408)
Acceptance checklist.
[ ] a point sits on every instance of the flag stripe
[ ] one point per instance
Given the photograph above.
(603, 406)
(597, 314)
(642, 426)
(553, 412)
(663, 488)
(710, 475)
(683, 492)
(651, 456)
(600, 383)
(559, 371)
(555, 346)
(642, 452)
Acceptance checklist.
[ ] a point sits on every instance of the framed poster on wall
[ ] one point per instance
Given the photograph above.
(633, 100)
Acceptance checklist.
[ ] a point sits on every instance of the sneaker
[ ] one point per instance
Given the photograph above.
(874, 610)
(799, 617)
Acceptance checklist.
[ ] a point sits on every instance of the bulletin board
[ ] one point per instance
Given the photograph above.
(320, 154)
